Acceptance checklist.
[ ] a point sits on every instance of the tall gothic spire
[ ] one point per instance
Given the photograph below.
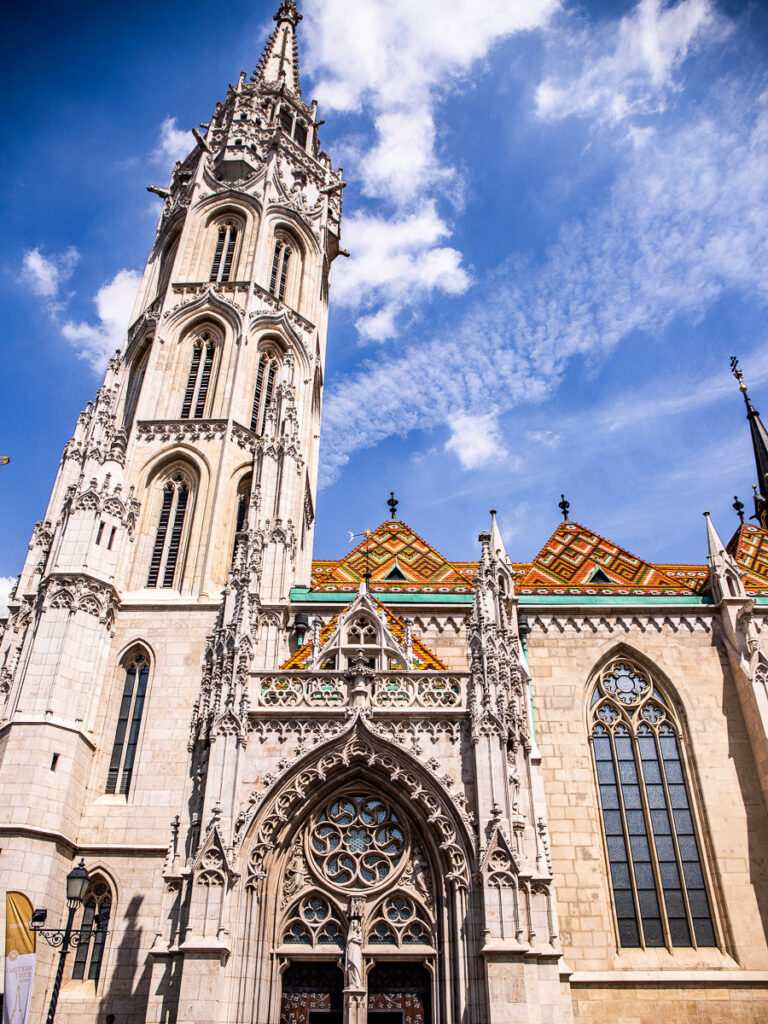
(279, 60)
(760, 447)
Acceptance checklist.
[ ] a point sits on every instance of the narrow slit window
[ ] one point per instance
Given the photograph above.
(224, 253)
(659, 891)
(280, 262)
(99, 532)
(128, 724)
(199, 379)
(97, 908)
(111, 540)
(263, 393)
(170, 533)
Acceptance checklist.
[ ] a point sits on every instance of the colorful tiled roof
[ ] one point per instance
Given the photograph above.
(749, 548)
(399, 560)
(575, 559)
(423, 658)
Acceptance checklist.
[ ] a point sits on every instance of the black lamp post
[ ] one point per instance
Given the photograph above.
(77, 884)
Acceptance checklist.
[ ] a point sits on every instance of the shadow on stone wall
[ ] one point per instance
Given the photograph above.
(127, 996)
(740, 751)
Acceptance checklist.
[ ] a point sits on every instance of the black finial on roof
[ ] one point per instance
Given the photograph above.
(739, 507)
(759, 446)
(564, 505)
(393, 503)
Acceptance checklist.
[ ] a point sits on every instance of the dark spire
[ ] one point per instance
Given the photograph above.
(760, 447)
(564, 506)
(393, 503)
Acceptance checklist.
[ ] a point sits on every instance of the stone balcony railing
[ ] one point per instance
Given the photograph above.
(386, 690)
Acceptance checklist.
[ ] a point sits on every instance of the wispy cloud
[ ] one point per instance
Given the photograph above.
(45, 275)
(172, 143)
(114, 301)
(476, 440)
(629, 66)
(391, 63)
(7, 584)
(685, 221)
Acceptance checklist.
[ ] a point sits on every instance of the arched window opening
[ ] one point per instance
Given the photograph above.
(266, 375)
(399, 922)
(280, 262)
(659, 890)
(128, 725)
(313, 923)
(362, 632)
(241, 514)
(97, 907)
(170, 529)
(224, 254)
(135, 384)
(167, 261)
(199, 378)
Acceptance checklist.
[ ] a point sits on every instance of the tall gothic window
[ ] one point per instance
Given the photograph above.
(199, 378)
(659, 890)
(264, 391)
(135, 384)
(97, 907)
(170, 532)
(280, 262)
(128, 725)
(224, 254)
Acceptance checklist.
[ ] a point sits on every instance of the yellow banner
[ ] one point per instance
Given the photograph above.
(19, 937)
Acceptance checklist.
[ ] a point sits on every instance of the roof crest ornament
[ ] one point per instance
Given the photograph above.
(564, 507)
(393, 503)
(759, 446)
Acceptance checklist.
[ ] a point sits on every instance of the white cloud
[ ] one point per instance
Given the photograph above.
(475, 440)
(397, 262)
(172, 144)
(393, 62)
(685, 221)
(7, 583)
(114, 302)
(46, 274)
(629, 66)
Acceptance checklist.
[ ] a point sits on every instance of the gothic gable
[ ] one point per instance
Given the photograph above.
(398, 559)
(577, 559)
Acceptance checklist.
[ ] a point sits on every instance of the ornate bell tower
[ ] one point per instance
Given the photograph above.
(183, 510)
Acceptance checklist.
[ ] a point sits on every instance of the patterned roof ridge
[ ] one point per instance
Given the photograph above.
(749, 548)
(421, 652)
(393, 543)
(573, 553)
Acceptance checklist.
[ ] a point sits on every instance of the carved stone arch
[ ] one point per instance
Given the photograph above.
(132, 649)
(312, 776)
(283, 217)
(634, 655)
(206, 307)
(225, 201)
(279, 325)
(62, 598)
(161, 463)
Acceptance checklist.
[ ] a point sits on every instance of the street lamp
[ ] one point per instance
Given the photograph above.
(77, 886)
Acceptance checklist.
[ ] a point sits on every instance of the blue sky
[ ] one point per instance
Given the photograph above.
(559, 232)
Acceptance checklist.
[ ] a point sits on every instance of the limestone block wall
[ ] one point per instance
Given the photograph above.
(563, 652)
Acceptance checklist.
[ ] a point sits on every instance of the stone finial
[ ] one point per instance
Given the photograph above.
(289, 12)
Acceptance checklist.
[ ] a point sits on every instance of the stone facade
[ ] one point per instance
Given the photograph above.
(340, 790)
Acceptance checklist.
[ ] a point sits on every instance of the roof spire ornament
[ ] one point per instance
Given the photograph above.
(393, 503)
(759, 446)
(739, 507)
(564, 506)
(279, 61)
(288, 12)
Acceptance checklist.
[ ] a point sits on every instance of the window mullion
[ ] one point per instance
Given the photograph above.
(639, 768)
(675, 841)
(627, 843)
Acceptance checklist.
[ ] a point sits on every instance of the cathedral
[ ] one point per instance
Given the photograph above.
(385, 788)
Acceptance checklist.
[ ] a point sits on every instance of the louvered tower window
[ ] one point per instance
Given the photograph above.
(170, 530)
(97, 907)
(199, 378)
(263, 393)
(224, 253)
(659, 889)
(280, 262)
(128, 725)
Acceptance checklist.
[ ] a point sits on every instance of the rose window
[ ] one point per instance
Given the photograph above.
(357, 842)
(626, 684)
